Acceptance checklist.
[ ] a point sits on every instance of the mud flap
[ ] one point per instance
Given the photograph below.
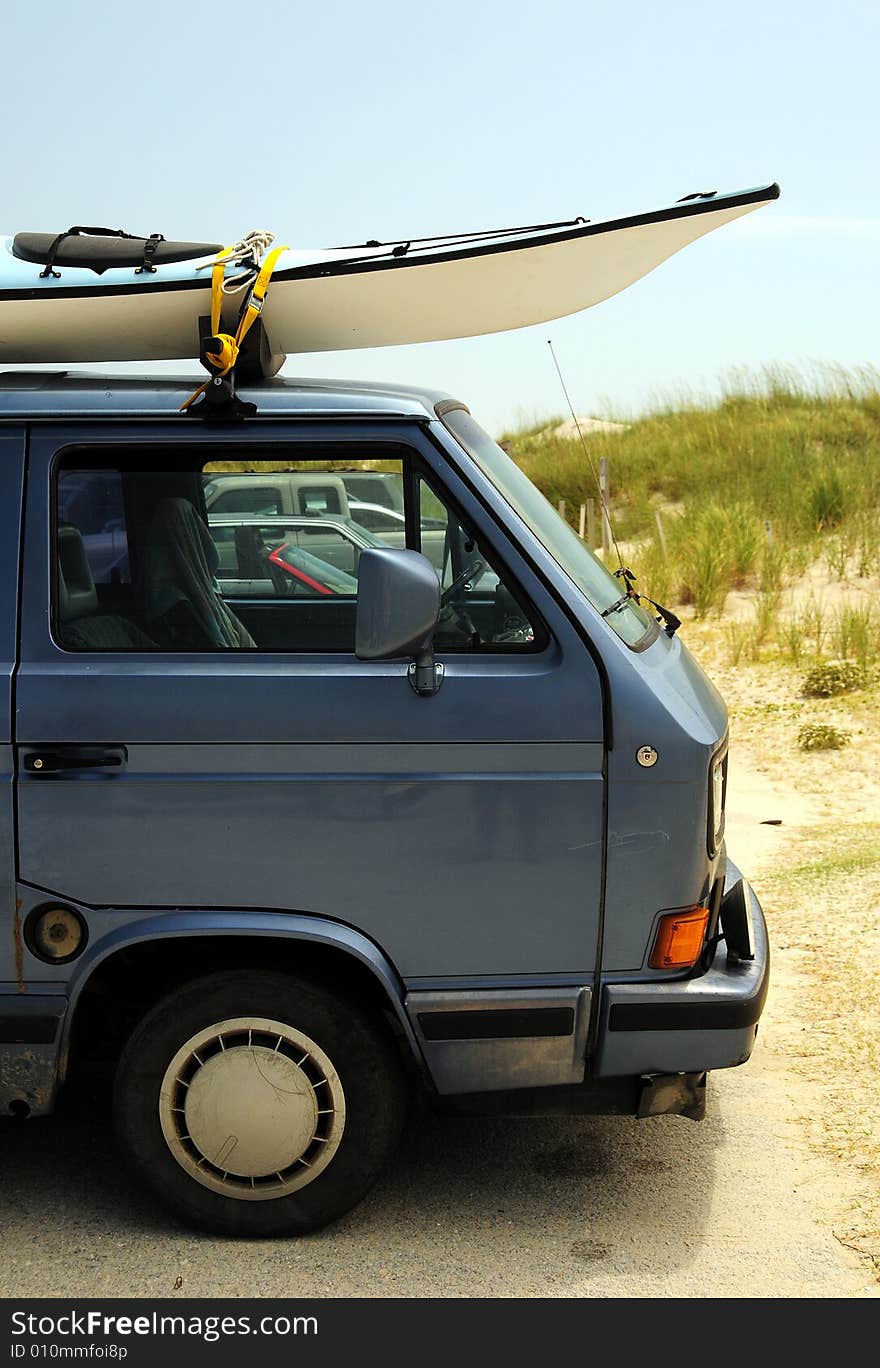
(681, 1094)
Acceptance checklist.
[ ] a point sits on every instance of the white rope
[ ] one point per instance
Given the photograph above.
(251, 249)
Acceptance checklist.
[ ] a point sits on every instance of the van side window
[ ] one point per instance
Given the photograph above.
(188, 560)
(481, 606)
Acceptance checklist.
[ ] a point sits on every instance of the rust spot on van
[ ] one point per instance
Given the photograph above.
(19, 945)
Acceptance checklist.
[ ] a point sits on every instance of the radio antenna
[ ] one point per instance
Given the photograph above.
(602, 500)
(671, 623)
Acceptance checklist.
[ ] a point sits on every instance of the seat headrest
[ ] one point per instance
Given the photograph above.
(180, 531)
(77, 595)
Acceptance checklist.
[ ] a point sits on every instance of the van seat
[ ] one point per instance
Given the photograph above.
(105, 632)
(83, 626)
(183, 604)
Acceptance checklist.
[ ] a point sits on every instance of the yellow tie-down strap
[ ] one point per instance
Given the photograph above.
(224, 357)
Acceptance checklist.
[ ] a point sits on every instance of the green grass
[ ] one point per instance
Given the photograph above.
(783, 469)
(832, 677)
(843, 852)
(848, 634)
(819, 736)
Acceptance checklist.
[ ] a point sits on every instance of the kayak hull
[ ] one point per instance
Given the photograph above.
(353, 298)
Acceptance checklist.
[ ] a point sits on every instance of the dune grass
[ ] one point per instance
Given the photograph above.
(779, 472)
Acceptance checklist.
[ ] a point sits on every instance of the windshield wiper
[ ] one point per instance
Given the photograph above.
(671, 623)
(620, 603)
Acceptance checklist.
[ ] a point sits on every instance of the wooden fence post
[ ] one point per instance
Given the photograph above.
(591, 524)
(604, 484)
(561, 507)
(582, 521)
(660, 533)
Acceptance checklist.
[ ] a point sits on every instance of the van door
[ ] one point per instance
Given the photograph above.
(463, 832)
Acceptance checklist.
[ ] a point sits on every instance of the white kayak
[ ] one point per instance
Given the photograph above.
(94, 301)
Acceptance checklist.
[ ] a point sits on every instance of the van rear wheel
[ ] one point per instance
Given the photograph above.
(258, 1104)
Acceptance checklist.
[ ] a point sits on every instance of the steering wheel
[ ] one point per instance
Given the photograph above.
(471, 571)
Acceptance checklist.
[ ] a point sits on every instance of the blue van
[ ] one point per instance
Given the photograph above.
(297, 856)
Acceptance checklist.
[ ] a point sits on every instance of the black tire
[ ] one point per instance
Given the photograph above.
(361, 1051)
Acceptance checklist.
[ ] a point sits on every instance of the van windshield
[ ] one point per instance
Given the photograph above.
(630, 621)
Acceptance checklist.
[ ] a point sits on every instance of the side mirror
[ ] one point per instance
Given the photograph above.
(398, 605)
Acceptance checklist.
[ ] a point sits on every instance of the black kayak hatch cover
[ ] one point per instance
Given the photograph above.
(101, 250)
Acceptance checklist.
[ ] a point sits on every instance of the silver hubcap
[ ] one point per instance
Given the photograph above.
(252, 1108)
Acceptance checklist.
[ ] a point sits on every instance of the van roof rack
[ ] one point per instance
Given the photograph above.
(255, 363)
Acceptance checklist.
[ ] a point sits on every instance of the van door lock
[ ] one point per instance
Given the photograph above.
(80, 758)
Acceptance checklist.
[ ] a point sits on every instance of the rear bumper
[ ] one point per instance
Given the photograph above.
(691, 1025)
(30, 1032)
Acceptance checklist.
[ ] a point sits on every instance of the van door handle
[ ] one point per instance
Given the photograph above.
(81, 758)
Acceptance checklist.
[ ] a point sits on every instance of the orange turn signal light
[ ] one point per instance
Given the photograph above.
(679, 938)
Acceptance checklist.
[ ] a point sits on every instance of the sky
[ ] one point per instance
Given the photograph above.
(331, 124)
